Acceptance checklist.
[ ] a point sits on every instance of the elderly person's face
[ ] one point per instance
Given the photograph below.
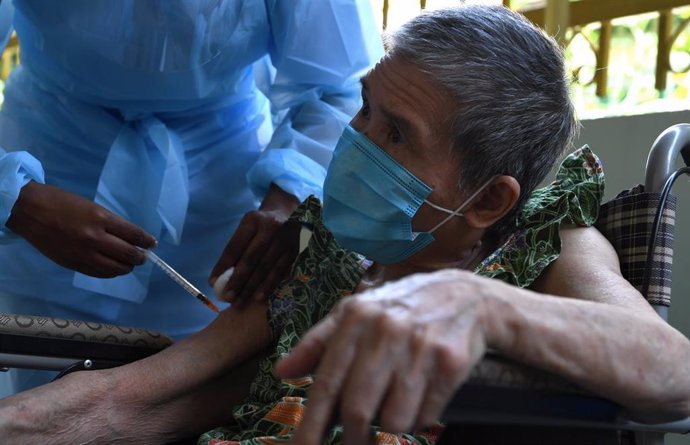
(405, 114)
(391, 192)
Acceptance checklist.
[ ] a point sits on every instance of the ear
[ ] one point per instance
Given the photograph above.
(493, 203)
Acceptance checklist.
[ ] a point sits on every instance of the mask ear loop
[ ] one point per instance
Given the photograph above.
(458, 211)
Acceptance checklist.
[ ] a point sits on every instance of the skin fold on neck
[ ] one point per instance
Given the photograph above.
(378, 274)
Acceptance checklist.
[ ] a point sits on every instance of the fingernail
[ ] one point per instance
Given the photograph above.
(230, 295)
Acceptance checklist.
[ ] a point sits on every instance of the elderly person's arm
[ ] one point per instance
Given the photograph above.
(402, 350)
(179, 392)
(626, 352)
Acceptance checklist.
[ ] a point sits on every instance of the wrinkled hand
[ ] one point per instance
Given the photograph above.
(396, 353)
(77, 233)
(261, 250)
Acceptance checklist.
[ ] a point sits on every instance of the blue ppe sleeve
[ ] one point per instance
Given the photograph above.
(318, 52)
(16, 170)
(6, 16)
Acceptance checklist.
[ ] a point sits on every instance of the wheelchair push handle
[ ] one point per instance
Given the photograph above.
(662, 158)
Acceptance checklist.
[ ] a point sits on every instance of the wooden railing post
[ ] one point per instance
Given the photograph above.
(557, 18)
(10, 58)
(385, 14)
(663, 52)
(602, 74)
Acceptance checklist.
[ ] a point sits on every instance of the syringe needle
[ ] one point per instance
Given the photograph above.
(179, 279)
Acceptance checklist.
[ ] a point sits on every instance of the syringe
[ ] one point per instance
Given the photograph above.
(179, 279)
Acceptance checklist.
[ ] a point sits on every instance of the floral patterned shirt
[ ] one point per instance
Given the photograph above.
(323, 273)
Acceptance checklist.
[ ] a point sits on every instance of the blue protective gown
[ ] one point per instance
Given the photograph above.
(152, 109)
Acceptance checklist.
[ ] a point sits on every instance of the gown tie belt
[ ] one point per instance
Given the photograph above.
(144, 180)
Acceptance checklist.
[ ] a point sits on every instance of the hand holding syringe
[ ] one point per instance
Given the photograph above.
(179, 279)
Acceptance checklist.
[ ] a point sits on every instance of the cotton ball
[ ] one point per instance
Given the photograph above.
(304, 237)
(220, 283)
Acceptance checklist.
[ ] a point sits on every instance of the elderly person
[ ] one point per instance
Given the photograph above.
(434, 181)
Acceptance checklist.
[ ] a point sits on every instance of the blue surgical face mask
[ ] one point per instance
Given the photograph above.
(370, 199)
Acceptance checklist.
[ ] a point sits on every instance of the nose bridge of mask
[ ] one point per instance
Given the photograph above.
(383, 174)
(463, 206)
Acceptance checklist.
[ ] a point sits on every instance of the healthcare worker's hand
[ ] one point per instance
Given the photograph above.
(77, 233)
(396, 353)
(261, 251)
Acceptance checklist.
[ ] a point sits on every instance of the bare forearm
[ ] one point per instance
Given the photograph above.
(82, 408)
(605, 335)
(178, 392)
(47, 413)
(230, 340)
(637, 360)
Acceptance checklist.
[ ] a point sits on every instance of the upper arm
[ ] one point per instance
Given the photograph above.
(319, 51)
(322, 43)
(588, 269)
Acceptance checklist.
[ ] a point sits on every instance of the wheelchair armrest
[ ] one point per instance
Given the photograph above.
(502, 393)
(501, 388)
(53, 343)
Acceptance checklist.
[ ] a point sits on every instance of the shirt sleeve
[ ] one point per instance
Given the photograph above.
(318, 52)
(16, 170)
(573, 198)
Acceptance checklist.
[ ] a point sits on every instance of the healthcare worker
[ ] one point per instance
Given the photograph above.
(133, 120)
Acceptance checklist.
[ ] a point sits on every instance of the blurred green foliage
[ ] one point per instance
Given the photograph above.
(632, 59)
(631, 68)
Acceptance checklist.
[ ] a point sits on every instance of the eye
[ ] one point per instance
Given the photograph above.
(394, 134)
(364, 111)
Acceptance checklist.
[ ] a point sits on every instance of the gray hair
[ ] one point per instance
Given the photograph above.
(514, 114)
